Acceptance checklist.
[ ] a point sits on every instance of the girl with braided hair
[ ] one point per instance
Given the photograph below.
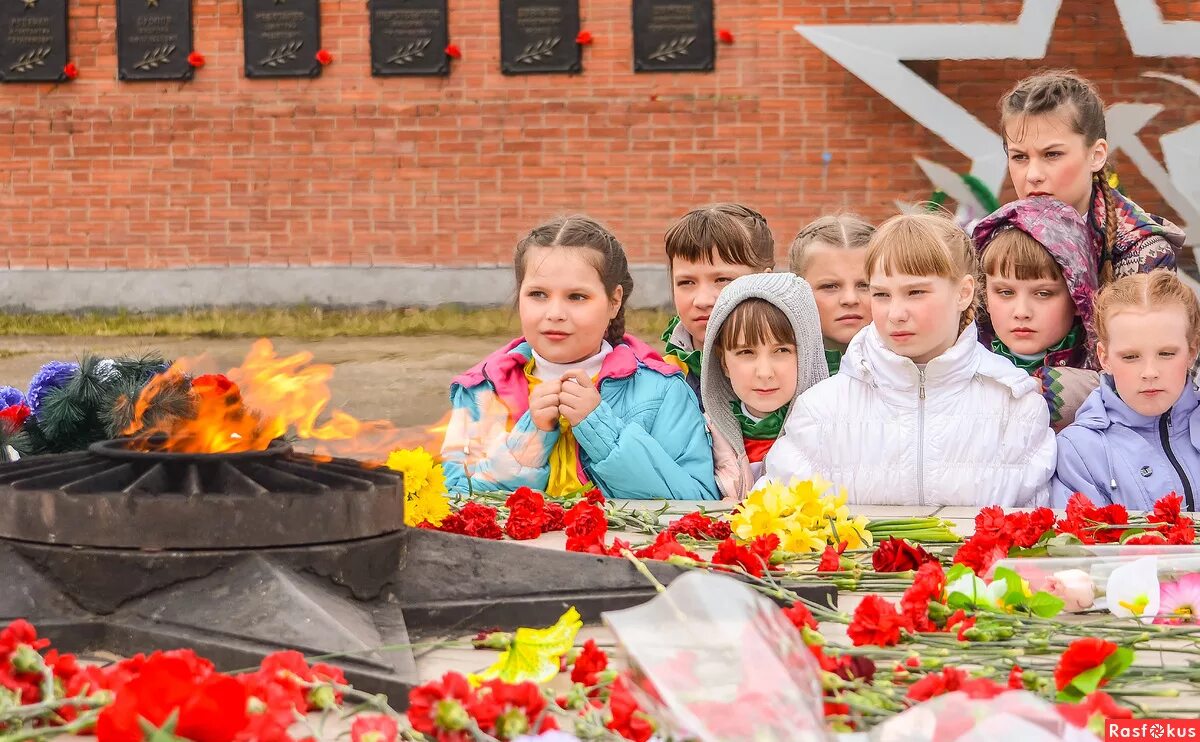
(575, 402)
(1054, 136)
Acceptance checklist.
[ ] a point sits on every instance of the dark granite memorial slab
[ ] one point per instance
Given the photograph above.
(539, 36)
(409, 37)
(673, 36)
(282, 37)
(33, 40)
(154, 39)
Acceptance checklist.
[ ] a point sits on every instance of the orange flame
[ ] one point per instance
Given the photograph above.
(270, 397)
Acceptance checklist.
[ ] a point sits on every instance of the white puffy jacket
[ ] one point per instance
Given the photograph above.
(970, 429)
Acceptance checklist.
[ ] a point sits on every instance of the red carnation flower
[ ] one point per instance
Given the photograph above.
(831, 558)
(509, 710)
(553, 515)
(700, 526)
(589, 664)
(1089, 523)
(453, 51)
(324, 57)
(1167, 509)
(627, 719)
(209, 708)
(373, 728)
(70, 71)
(897, 555)
(1081, 655)
(441, 708)
(979, 552)
(877, 622)
(594, 496)
(1182, 533)
(583, 38)
(664, 547)
(754, 559)
(526, 514)
(196, 59)
(1016, 679)
(927, 586)
(725, 36)
(586, 527)
(952, 679)
(800, 616)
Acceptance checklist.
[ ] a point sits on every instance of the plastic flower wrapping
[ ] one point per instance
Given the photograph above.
(956, 717)
(732, 667)
(1152, 583)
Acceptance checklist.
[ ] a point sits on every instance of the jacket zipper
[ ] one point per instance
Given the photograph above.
(921, 437)
(1164, 434)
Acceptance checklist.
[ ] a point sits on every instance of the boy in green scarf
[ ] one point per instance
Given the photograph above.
(706, 250)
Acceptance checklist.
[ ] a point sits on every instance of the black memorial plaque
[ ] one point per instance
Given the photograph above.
(409, 37)
(33, 40)
(539, 36)
(282, 37)
(673, 36)
(154, 39)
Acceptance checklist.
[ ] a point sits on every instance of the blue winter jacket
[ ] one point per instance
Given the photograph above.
(646, 440)
(1115, 455)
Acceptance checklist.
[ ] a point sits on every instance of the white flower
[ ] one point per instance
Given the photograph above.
(1133, 589)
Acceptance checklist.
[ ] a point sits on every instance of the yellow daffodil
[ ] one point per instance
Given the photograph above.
(534, 654)
(805, 515)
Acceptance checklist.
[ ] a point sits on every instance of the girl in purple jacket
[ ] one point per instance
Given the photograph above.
(1137, 437)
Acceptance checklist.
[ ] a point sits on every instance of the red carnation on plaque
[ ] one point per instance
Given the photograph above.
(71, 71)
(453, 51)
(584, 38)
(897, 555)
(725, 36)
(526, 514)
(876, 622)
(196, 59)
(586, 526)
(589, 664)
(324, 57)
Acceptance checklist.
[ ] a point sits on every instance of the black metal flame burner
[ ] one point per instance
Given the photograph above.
(241, 554)
(112, 496)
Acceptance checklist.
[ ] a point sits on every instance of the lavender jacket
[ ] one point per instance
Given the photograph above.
(1115, 455)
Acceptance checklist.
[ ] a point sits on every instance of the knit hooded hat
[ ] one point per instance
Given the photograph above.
(1065, 235)
(793, 296)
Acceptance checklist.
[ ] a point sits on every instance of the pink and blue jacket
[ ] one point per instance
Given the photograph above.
(646, 440)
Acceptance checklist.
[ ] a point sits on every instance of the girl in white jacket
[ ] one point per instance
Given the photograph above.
(922, 413)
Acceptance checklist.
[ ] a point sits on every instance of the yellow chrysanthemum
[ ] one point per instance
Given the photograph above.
(415, 464)
(424, 486)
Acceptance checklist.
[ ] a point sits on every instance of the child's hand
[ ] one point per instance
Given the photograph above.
(543, 405)
(578, 396)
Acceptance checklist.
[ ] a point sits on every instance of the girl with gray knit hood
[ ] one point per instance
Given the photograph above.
(762, 350)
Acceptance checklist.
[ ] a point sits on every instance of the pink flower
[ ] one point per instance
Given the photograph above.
(1074, 587)
(1180, 600)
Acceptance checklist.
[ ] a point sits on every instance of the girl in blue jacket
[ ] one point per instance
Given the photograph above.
(1137, 437)
(576, 402)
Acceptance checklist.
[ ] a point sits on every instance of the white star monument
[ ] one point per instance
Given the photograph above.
(873, 54)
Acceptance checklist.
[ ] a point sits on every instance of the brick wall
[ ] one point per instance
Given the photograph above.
(348, 169)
